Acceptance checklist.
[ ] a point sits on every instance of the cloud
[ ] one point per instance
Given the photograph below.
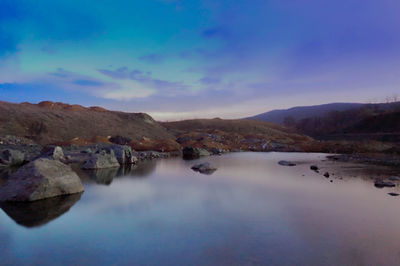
(152, 58)
(162, 87)
(85, 82)
(210, 81)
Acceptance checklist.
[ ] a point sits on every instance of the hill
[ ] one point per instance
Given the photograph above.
(237, 135)
(302, 112)
(49, 122)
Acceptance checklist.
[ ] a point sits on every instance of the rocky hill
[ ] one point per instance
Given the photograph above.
(49, 122)
(238, 135)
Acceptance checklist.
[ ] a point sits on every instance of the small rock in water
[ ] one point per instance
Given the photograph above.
(331, 181)
(394, 178)
(326, 174)
(204, 168)
(286, 163)
(381, 184)
(393, 194)
(314, 167)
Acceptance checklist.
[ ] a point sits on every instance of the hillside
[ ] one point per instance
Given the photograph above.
(302, 112)
(49, 122)
(237, 135)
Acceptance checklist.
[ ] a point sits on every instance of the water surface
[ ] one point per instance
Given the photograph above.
(250, 211)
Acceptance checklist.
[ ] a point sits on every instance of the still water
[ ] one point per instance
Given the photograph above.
(251, 211)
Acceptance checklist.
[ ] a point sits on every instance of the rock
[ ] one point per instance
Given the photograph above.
(123, 153)
(394, 178)
(194, 153)
(381, 184)
(53, 152)
(314, 167)
(204, 168)
(286, 163)
(393, 194)
(41, 179)
(326, 174)
(101, 160)
(120, 140)
(87, 151)
(11, 157)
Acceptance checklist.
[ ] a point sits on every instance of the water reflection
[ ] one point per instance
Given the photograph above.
(38, 213)
(250, 211)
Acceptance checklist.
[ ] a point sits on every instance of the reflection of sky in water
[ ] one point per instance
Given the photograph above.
(249, 211)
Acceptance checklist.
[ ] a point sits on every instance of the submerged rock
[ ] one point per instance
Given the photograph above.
(326, 174)
(11, 157)
(393, 194)
(41, 179)
(286, 163)
(204, 168)
(101, 160)
(381, 184)
(314, 167)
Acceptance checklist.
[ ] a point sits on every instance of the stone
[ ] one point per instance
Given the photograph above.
(53, 152)
(11, 157)
(123, 153)
(380, 184)
(102, 159)
(286, 163)
(120, 140)
(394, 178)
(326, 174)
(314, 167)
(204, 168)
(41, 179)
(194, 153)
(393, 194)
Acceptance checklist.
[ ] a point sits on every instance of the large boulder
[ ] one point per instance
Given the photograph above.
(194, 153)
(11, 157)
(41, 179)
(120, 140)
(123, 153)
(102, 159)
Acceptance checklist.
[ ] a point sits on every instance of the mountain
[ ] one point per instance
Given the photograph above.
(343, 121)
(49, 122)
(302, 112)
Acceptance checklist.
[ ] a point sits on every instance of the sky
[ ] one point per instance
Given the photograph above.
(177, 59)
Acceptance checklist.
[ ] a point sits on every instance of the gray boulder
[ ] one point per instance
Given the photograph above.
(100, 160)
(11, 157)
(41, 179)
(286, 163)
(193, 153)
(53, 152)
(381, 183)
(204, 168)
(123, 153)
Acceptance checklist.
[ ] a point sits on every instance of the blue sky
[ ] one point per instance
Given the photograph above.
(184, 59)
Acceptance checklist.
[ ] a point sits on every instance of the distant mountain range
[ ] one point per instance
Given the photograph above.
(341, 121)
(302, 112)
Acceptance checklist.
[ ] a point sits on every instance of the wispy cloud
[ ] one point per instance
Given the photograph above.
(152, 58)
